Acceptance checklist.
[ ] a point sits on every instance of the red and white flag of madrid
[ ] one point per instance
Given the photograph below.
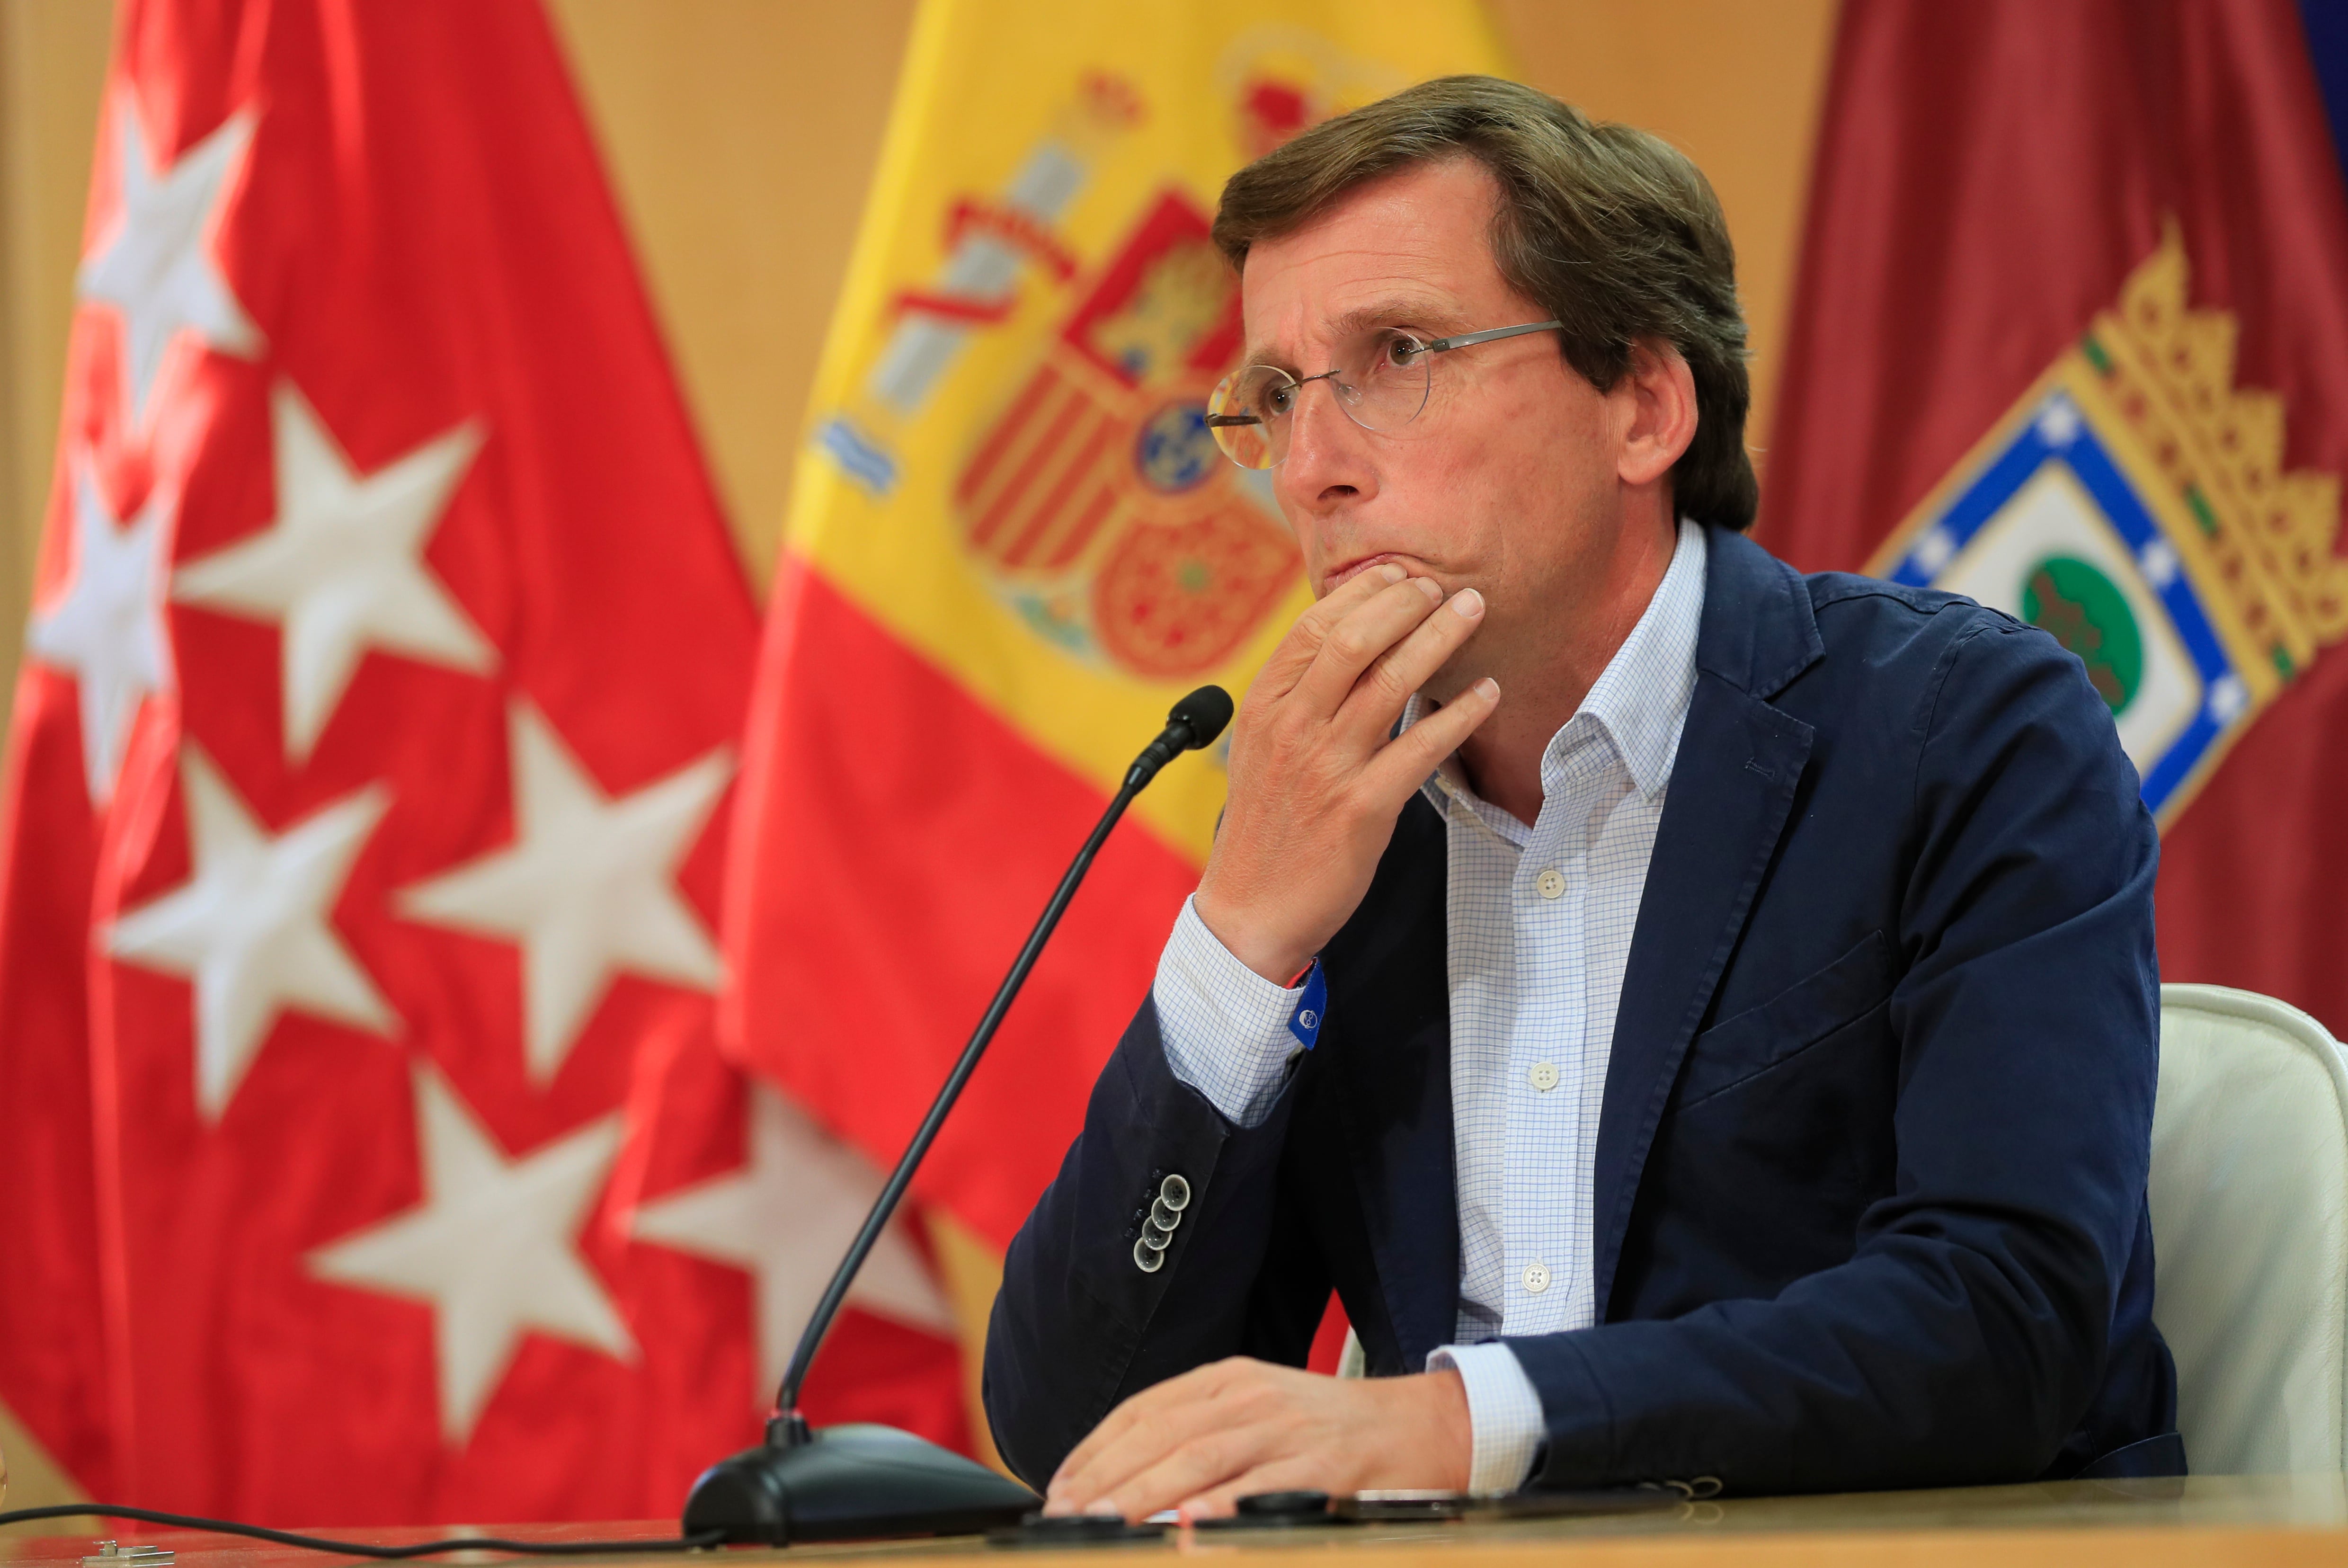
(366, 1155)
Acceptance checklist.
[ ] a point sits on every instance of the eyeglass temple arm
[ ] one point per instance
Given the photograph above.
(1467, 339)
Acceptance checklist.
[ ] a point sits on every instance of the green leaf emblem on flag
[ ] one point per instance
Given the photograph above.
(2088, 614)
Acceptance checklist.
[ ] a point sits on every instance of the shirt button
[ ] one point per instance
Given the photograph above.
(1536, 1277)
(1543, 1076)
(1551, 882)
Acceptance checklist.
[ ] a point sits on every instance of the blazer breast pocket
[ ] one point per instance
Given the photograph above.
(1809, 1010)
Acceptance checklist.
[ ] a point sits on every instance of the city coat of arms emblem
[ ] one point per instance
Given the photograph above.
(1096, 503)
(2134, 504)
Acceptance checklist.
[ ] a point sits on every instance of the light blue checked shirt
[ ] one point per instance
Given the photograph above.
(1539, 922)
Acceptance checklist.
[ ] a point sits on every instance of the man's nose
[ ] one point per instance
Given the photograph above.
(1329, 459)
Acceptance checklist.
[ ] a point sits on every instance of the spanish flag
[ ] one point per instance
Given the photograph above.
(1012, 544)
(2072, 338)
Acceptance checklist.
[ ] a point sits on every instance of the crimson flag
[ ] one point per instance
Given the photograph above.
(364, 824)
(2071, 337)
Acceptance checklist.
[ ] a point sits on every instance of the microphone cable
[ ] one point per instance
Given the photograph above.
(699, 1541)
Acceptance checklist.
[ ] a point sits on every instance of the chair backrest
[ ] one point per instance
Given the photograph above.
(2250, 1220)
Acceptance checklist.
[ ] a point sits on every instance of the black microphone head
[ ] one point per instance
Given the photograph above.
(1203, 713)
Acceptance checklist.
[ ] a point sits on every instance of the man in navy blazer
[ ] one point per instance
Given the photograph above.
(1868, 898)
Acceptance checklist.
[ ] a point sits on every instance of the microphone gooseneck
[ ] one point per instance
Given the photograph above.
(1195, 722)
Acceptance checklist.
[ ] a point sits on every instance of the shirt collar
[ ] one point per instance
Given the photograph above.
(1642, 697)
(1641, 700)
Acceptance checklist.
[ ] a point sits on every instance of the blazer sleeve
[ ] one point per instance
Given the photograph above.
(1079, 1325)
(1968, 1331)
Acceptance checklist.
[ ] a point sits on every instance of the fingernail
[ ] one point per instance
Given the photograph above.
(1059, 1506)
(1431, 587)
(1468, 603)
(1392, 571)
(1488, 689)
(1105, 1507)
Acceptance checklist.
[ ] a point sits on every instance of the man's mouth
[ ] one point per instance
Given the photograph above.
(1341, 574)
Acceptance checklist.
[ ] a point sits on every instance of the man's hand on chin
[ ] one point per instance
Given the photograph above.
(1202, 1441)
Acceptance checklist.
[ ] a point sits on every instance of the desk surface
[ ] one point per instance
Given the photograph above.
(2208, 1520)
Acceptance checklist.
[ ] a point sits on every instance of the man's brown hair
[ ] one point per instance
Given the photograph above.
(1609, 230)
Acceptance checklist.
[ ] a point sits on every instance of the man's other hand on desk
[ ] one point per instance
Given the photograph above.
(1202, 1441)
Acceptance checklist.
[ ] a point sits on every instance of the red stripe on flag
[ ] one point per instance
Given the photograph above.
(1039, 428)
(1084, 463)
(1040, 389)
(892, 843)
(53, 1354)
(1096, 511)
(955, 307)
(1028, 509)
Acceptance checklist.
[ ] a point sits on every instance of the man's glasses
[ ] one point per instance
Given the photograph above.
(1381, 381)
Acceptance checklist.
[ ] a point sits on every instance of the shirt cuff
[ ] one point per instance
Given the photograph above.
(1225, 1027)
(1503, 1413)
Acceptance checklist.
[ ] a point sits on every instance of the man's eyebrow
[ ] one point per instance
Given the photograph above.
(1416, 310)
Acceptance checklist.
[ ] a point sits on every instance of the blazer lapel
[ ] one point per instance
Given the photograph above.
(1396, 1111)
(1732, 787)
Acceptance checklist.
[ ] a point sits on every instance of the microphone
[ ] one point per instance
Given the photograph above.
(868, 1481)
(1193, 725)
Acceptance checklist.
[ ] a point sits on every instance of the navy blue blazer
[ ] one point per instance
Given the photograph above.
(1869, 1184)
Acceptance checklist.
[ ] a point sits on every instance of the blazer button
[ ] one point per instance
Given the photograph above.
(1174, 1193)
(1146, 1258)
(1163, 1217)
(1697, 1490)
(1154, 1238)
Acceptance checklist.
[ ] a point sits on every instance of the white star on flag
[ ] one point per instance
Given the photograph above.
(342, 566)
(491, 1247)
(587, 888)
(108, 628)
(787, 1216)
(250, 927)
(154, 268)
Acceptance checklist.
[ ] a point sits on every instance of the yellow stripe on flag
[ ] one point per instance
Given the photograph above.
(1007, 465)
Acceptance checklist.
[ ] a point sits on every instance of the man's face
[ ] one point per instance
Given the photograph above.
(1506, 481)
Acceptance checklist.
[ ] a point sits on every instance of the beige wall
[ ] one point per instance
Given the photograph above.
(740, 134)
(52, 57)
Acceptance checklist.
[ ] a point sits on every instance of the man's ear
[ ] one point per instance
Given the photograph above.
(1661, 390)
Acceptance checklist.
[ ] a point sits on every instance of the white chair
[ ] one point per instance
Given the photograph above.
(2250, 1222)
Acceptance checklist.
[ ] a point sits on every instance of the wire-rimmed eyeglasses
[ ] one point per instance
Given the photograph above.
(1380, 382)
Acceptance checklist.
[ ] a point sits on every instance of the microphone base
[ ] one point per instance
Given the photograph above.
(852, 1483)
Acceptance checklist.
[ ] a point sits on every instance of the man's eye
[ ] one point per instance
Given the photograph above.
(1278, 400)
(1402, 349)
